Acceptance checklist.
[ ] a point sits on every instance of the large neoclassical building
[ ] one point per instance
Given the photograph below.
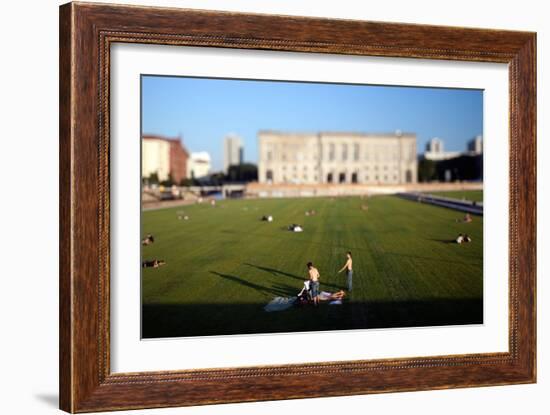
(337, 157)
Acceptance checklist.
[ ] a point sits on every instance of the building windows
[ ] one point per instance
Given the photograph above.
(331, 151)
(311, 157)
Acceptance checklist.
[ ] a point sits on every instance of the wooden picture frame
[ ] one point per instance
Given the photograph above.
(86, 33)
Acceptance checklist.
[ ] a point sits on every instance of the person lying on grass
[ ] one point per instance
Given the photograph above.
(148, 240)
(326, 296)
(467, 218)
(153, 263)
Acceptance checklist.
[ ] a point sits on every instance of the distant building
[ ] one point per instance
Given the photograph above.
(466, 167)
(337, 157)
(439, 165)
(232, 151)
(166, 157)
(435, 151)
(475, 145)
(198, 165)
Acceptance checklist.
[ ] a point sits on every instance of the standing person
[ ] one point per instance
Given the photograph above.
(348, 267)
(314, 285)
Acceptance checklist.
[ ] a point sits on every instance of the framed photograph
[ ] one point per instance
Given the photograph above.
(258, 207)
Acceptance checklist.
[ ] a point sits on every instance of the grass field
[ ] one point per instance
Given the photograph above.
(473, 195)
(223, 265)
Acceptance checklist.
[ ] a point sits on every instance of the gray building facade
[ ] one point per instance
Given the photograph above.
(336, 157)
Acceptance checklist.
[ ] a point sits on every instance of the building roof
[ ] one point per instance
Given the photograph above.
(171, 140)
(397, 133)
(200, 156)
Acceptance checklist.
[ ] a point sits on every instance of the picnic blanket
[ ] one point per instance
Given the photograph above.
(279, 304)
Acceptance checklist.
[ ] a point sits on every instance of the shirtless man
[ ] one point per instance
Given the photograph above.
(348, 267)
(314, 285)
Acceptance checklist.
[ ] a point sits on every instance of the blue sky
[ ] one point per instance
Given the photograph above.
(205, 110)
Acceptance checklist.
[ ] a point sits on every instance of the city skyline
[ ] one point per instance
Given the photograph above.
(203, 111)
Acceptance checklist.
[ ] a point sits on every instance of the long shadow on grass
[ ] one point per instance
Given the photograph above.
(204, 319)
(331, 233)
(276, 272)
(426, 258)
(444, 241)
(277, 290)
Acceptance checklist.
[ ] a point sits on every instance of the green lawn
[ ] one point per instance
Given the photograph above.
(473, 195)
(224, 265)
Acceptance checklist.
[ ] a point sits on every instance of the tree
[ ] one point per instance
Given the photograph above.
(245, 172)
(154, 178)
(187, 182)
(427, 170)
(169, 181)
(217, 179)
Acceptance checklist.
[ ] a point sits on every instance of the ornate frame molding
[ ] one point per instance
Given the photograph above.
(86, 33)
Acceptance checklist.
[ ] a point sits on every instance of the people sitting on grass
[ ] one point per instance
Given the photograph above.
(295, 228)
(311, 212)
(304, 296)
(153, 263)
(466, 219)
(267, 218)
(309, 294)
(462, 239)
(148, 240)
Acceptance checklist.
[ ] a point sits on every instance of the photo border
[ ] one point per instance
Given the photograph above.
(86, 33)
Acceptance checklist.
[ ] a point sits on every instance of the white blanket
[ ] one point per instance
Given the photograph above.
(279, 304)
